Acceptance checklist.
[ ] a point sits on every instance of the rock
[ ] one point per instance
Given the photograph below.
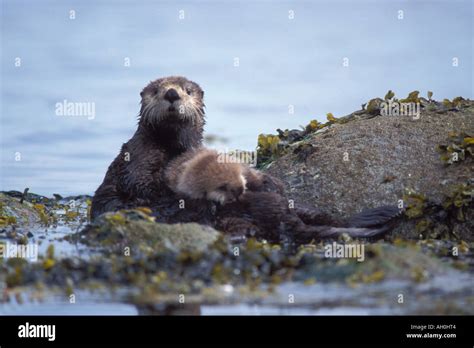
(29, 197)
(13, 213)
(367, 162)
(137, 229)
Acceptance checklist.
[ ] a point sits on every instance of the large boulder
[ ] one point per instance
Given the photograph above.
(367, 160)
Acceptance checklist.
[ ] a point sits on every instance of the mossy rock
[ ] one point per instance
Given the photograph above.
(385, 261)
(137, 229)
(382, 261)
(14, 213)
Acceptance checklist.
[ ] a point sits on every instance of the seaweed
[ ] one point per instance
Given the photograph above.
(413, 97)
(459, 147)
(459, 200)
(414, 204)
(330, 117)
(268, 146)
(436, 220)
(5, 218)
(390, 95)
(373, 106)
(456, 104)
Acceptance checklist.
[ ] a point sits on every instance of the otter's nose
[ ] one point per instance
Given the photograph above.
(171, 95)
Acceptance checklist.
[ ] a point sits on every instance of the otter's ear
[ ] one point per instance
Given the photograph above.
(145, 90)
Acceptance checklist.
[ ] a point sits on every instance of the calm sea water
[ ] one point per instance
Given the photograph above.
(282, 61)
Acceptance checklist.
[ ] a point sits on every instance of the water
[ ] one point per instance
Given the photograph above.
(446, 291)
(282, 62)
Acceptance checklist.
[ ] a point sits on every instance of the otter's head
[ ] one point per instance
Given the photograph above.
(171, 104)
(228, 183)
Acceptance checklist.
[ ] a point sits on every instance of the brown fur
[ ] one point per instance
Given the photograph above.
(268, 215)
(135, 177)
(206, 174)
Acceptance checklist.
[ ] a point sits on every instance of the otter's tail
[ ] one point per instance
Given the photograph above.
(370, 223)
(374, 217)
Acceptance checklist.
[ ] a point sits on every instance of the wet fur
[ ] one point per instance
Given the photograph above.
(159, 138)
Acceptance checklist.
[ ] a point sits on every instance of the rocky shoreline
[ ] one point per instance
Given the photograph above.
(363, 160)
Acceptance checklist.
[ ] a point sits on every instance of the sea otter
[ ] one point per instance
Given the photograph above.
(205, 174)
(171, 122)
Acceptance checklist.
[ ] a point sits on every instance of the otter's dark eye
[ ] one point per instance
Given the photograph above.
(189, 91)
(222, 187)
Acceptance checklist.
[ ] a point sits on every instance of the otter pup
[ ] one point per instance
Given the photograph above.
(206, 174)
(171, 121)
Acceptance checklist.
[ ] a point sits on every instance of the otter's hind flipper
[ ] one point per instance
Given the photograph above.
(374, 217)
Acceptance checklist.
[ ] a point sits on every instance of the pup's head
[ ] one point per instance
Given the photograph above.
(172, 100)
(227, 192)
(226, 182)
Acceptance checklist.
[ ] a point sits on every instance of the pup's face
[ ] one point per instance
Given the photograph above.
(172, 99)
(228, 190)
